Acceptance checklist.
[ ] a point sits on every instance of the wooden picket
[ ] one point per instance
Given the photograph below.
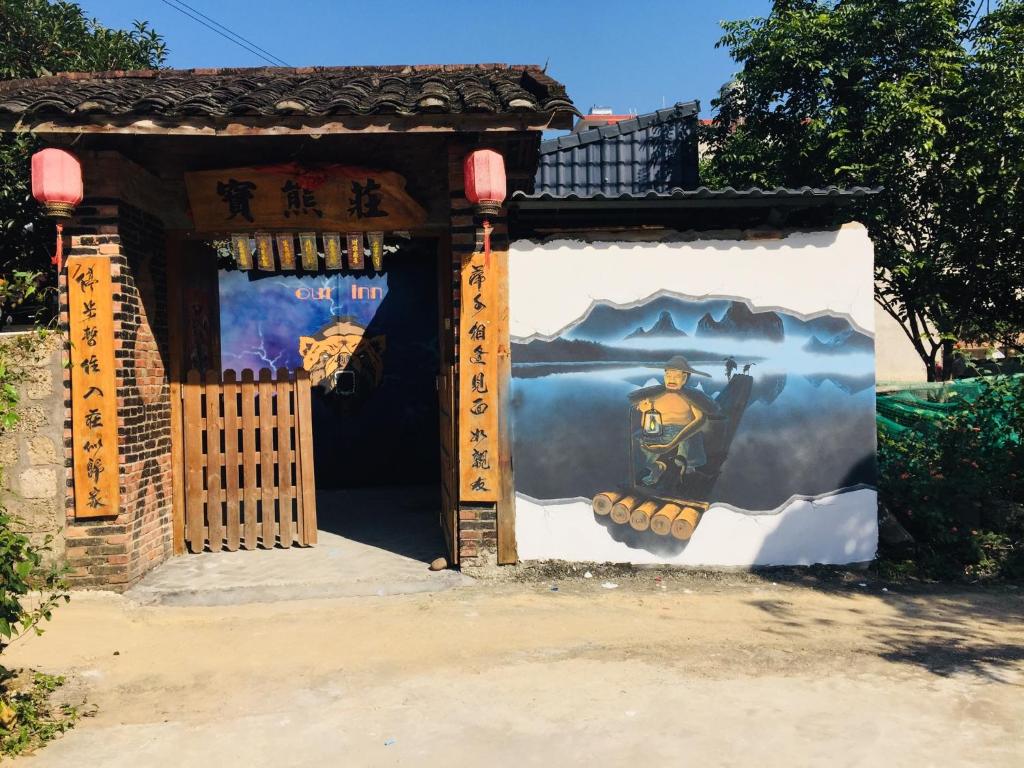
(248, 449)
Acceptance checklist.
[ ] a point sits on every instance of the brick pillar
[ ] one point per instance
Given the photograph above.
(115, 552)
(478, 522)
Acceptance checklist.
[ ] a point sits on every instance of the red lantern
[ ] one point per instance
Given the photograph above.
(56, 181)
(57, 186)
(484, 172)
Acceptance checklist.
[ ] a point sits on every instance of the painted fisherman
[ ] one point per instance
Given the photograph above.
(672, 419)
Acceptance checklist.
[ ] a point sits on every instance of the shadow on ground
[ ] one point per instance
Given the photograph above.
(944, 629)
(403, 520)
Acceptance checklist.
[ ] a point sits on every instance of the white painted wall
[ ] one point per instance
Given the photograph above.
(553, 284)
(806, 272)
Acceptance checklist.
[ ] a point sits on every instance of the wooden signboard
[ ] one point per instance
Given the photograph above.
(93, 386)
(338, 198)
(479, 462)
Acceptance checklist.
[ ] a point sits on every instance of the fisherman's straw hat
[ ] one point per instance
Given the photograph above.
(680, 363)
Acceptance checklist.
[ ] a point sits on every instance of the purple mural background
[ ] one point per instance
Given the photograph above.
(263, 316)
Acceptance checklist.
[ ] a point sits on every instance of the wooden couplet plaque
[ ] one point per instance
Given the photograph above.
(93, 386)
(288, 196)
(479, 466)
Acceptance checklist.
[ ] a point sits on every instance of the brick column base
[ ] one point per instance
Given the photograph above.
(114, 553)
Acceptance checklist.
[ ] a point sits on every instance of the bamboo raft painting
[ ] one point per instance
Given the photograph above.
(640, 514)
(679, 439)
(655, 413)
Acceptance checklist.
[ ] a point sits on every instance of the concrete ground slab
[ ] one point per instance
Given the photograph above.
(371, 542)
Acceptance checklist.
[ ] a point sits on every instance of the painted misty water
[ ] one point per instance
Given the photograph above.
(808, 429)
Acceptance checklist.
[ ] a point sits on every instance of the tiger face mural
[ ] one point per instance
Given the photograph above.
(341, 359)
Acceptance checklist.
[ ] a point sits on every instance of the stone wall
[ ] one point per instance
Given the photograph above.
(31, 459)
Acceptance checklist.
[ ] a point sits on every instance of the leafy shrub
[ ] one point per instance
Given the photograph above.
(23, 572)
(31, 719)
(957, 484)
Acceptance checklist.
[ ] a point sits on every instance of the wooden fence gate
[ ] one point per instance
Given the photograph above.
(248, 460)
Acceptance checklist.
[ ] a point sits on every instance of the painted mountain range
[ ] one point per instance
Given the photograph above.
(741, 322)
(663, 328)
(623, 333)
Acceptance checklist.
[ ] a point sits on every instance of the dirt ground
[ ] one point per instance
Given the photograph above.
(660, 671)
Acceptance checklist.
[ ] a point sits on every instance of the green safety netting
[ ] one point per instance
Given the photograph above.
(922, 406)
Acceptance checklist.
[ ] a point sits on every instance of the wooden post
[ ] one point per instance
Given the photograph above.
(304, 441)
(506, 507)
(194, 463)
(266, 417)
(249, 487)
(231, 460)
(284, 456)
(214, 511)
(176, 375)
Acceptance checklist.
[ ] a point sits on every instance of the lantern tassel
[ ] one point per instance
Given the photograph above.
(487, 244)
(58, 256)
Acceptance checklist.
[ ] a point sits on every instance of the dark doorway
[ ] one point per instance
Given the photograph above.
(376, 435)
(370, 342)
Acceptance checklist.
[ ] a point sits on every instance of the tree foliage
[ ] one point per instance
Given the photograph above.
(922, 97)
(40, 38)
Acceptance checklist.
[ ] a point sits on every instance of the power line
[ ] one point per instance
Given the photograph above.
(214, 29)
(227, 34)
(232, 33)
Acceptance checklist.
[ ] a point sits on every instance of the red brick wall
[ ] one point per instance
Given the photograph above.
(116, 552)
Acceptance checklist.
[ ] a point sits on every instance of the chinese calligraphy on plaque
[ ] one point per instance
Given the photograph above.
(93, 386)
(478, 372)
(335, 197)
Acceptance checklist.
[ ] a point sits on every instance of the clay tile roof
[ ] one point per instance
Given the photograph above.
(490, 89)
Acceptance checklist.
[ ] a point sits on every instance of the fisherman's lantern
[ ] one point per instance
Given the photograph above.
(484, 172)
(652, 424)
(57, 186)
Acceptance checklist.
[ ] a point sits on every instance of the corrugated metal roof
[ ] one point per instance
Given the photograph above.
(705, 193)
(655, 151)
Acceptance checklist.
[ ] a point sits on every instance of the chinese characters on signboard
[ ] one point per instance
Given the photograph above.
(478, 403)
(93, 386)
(341, 198)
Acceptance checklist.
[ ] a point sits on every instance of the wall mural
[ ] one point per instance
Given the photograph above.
(650, 416)
(315, 322)
(369, 343)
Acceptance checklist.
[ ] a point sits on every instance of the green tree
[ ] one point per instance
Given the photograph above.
(922, 97)
(41, 38)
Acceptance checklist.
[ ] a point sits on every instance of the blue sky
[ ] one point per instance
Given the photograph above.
(627, 55)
